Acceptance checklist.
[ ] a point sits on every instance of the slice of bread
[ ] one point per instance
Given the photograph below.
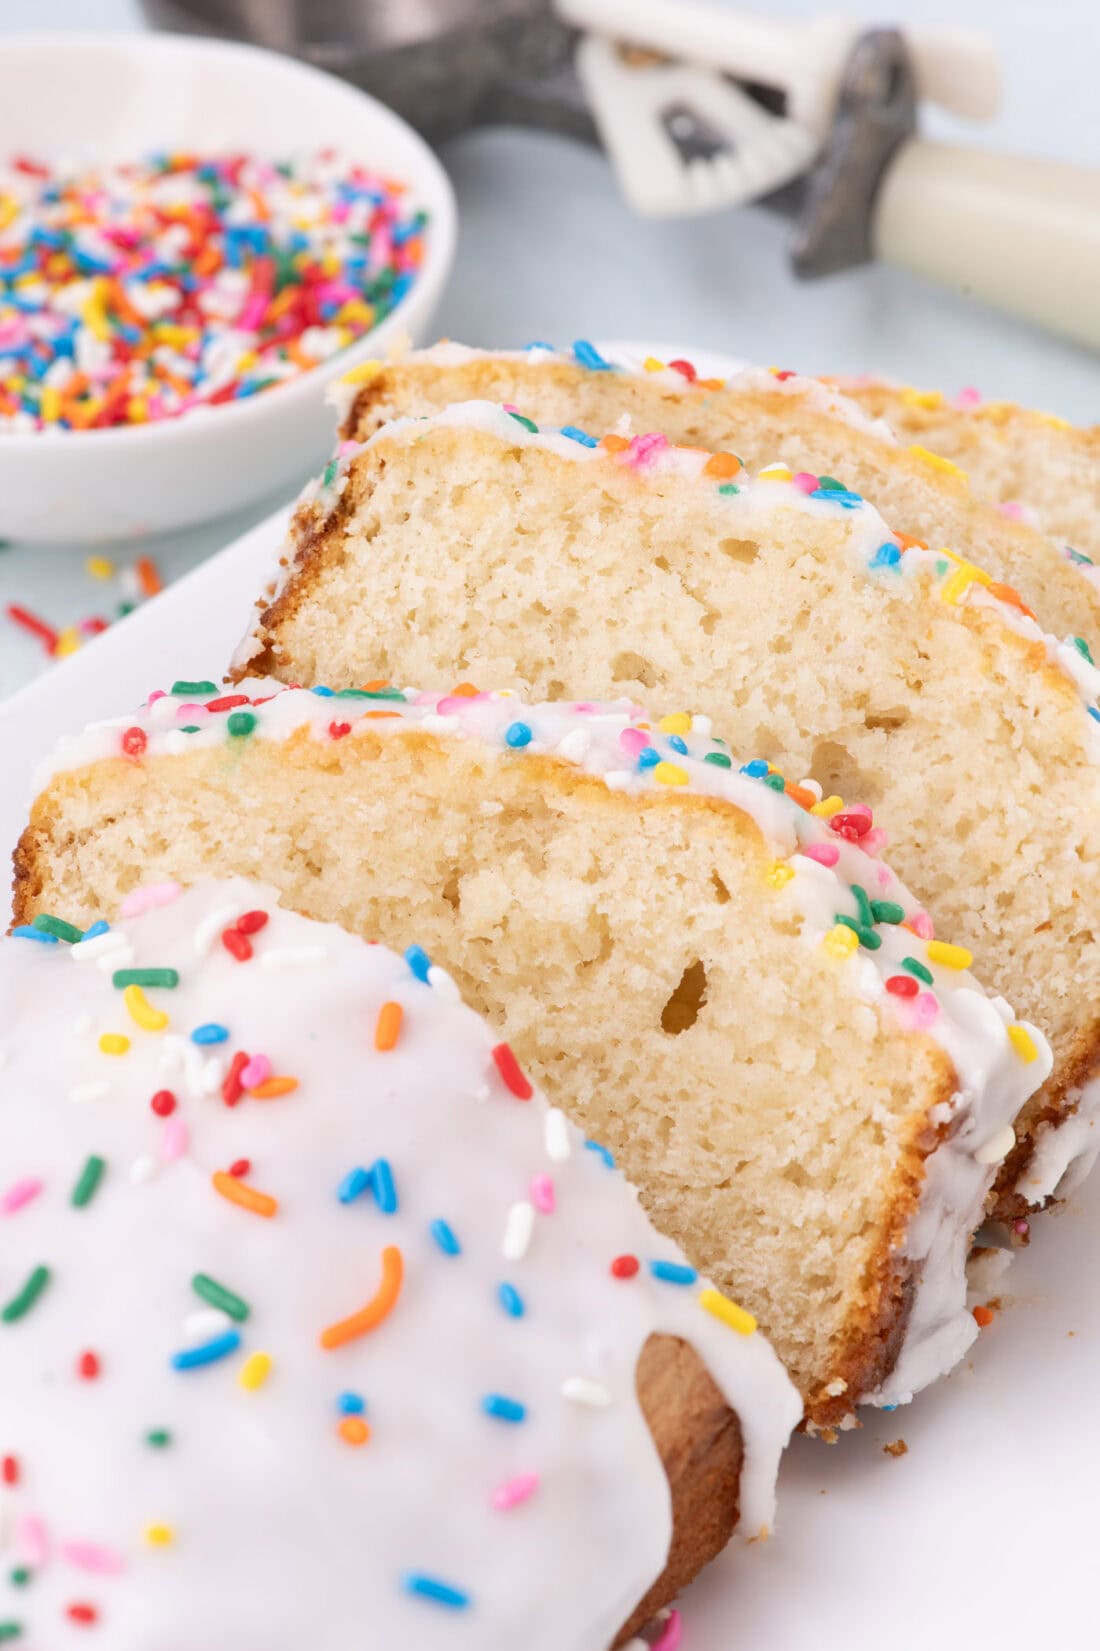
(764, 416)
(1020, 458)
(796, 619)
(389, 1135)
(727, 989)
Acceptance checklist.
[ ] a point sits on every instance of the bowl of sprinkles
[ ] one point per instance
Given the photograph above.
(196, 238)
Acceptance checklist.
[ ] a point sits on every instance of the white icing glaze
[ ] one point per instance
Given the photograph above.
(606, 741)
(283, 1533)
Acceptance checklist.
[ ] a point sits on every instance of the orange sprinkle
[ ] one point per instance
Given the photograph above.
(614, 444)
(721, 465)
(239, 1192)
(710, 383)
(465, 690)
(804, 798)
(378, 716)
(148, 576)
(909, 541)
(388, 1026)
(983, 1317)
(1005, 593)
(378, 1308)
(271, 1088)
(354, 1430)
(376, 685)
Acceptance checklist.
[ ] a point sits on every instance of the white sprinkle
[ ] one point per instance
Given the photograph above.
(88, 950)
(293, 957)
(211, 926)
(558, 1146)
(701, 724)
(618, 779)
(206, 1323)
(95, 1091)
(997, 1147)
(579, 1390)
(517, 1231)
(142, 1169)
(162, 711)
(575, 746)
(443, 984)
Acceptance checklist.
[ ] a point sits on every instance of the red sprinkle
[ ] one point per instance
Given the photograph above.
(30, 622)
(85, 1614)
(850, 826)
(232, 1087)
(237, 944)
(685, 369)
(228, 702)
(338, 729)
(983, 1317)
(9, 1470)
(240, 1167)
(251, 922)
(134, 742)
(788, 372)
(163, 1103)
(903, 985)
(624, 1266)
(512, 1073)
(88, 1366)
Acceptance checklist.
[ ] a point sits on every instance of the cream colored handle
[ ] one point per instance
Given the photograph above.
(1020, 233)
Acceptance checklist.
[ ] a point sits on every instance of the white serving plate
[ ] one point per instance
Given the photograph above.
(118, 97)
(983, 1536)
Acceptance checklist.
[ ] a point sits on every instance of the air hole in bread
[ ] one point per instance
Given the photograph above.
(452, 891)
(721, 892)
(890, 719)
(628, 667)
(744, 551)
(838, 773)
(682, 1009)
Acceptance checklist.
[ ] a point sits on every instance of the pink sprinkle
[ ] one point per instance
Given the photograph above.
(1012, 507)
(174, 1139)
(90, 1556)
(804, 482)
(32, 1540)
(968, 397)
(148, 898)
(514, 1491)
(633, 740)
(644, 449)
(158, 693)
(873, 841)
(188, 712)
(1021, 1226)
(542, 1194)
(860, 808)
(921, 924)
(346, 447)
(585, 706)
(509, 407)
(826, 854)
(258, 1070)
(673, 1634)
(19, 1194)
(883, 876)
(925, 1009)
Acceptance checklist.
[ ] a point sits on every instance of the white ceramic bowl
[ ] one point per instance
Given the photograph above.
(115, 97)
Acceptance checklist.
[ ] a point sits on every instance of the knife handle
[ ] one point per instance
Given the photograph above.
(1017, 232)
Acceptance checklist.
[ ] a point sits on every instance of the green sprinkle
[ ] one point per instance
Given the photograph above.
(21, 1304)
(328, 475)
(218, 1296)
(10, 1630)
(124, 608)
(191, 690)
(729, 487)
(831, 485)
(866, 912)
(1083, 649)
(57, 926)
(20, 1577)
(917, 969)
(88, 1182)
(867, 937)
(158, 1438)
(719, 759)
(240, 724)
(145, 977)
(528, 424)
(192, 728)
(774, 782)
(887, 911)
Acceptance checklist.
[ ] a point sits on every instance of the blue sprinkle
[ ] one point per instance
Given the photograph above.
(648, 757)
(517, 735)
(207, 1352)
(1094, 713)
(886, 556)
(430, 1587)
(504, 1410)
(888, 1407)
(354, 1184)
(211, 1032)
(597, 1146)
(538, 344)
(27, 931)
(756, 770)
(511, 1301)
(673, 1272)
(589, 356)
(99, 927)
(419, 962)
(324, 693)
(838, 495)
(445, 1238)
(678, 744)
(385, 1192)
(582, 436)
(351, 1404)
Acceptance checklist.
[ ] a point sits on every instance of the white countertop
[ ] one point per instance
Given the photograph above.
(549, 250)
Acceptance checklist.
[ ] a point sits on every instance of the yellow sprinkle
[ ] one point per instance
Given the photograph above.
(840, 942)
(9, 209)
(142, 1011)
(92, 315)
(670, 773)
(713, 1301)
(1054, 421)
(363, 374)
(937, 461)
(678, 723)
(113, 1043)
(68, 642)
(827, 807)
(159, 1536)
(774, 473)
(50, 404)
(950, 957)
(922, 398)
(652, 365)
(965, 574)
(1023, 1043)
(254, 1371)
(99, 567)
(778, 874)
